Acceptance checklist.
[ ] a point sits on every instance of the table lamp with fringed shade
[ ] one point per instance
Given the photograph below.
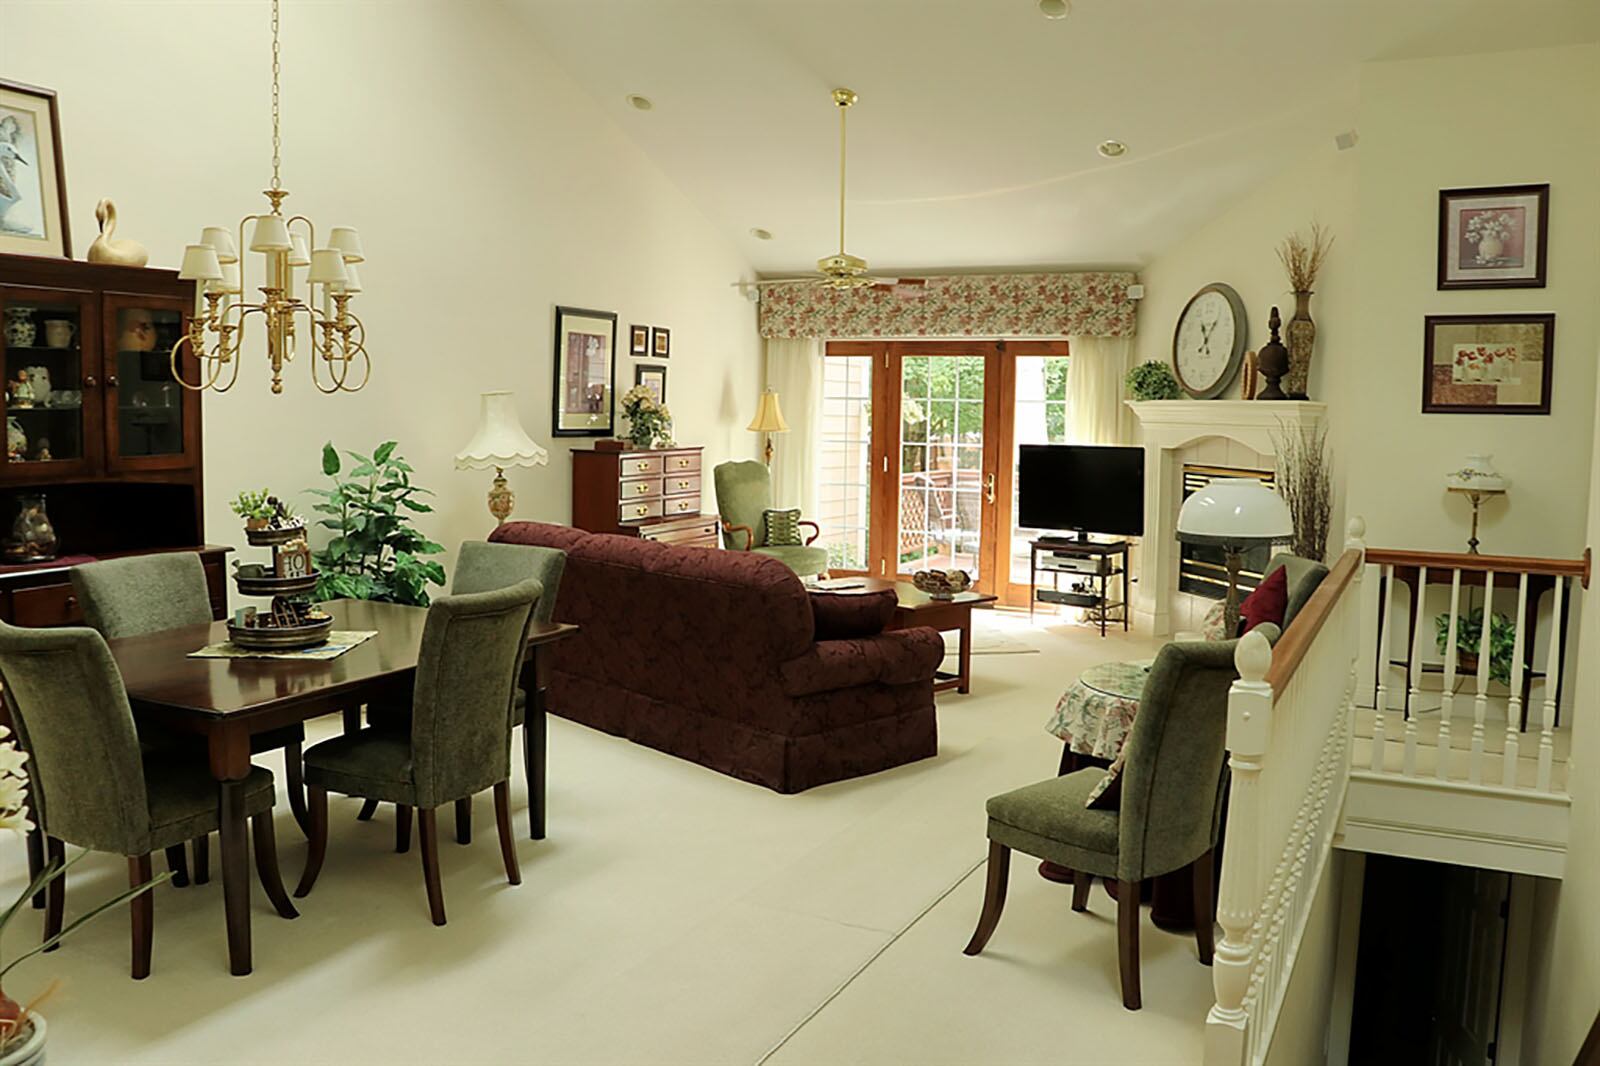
(499, 442)
(769, 420)
(1235, 514)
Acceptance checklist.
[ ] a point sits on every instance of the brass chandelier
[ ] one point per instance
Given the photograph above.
(216, 329)
(843, 270)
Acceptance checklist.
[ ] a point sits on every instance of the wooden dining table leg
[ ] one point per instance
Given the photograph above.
(534, 737)
(35, 838)
(230, 765)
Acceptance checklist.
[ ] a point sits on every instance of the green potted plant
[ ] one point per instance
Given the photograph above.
(1469, 639)
(1153, 381)
(375, 552)
(262, 510)
(22, 1027)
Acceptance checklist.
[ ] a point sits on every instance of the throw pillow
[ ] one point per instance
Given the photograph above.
(1267, 603)
(783, 527)
(1107, 795)
(1215, 626)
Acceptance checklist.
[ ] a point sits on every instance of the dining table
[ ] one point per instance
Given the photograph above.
(225, 701)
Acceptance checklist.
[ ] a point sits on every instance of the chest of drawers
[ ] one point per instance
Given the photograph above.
(650, 494)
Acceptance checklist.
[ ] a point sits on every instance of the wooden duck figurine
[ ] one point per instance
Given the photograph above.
(106, 250)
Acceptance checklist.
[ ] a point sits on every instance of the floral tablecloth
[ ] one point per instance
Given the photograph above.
(1096, 713)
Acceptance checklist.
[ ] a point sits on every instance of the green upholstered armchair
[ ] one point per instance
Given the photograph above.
(744, 494)
(95, 787)
(459, 741)
(1304, 576)
(1171, 799)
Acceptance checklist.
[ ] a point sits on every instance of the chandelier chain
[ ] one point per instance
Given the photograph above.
(277, 141)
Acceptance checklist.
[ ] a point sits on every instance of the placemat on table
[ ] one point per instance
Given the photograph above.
(339, 642)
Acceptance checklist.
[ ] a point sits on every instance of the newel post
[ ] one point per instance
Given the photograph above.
(1249, 729)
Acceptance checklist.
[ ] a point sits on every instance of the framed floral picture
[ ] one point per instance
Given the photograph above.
(1493, 238)
(33, 183)
(585, 373)
(1487, 364)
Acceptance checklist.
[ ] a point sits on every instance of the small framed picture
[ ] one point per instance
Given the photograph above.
(1488, 364)
(585, 373)
(639, 341)
(660, 342)
(653, 378)
(33, 184)
(1493, 238)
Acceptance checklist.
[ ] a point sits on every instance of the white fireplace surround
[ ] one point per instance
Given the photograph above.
(1166, 427)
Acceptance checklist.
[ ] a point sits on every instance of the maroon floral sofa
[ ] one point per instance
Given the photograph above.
(723, 658)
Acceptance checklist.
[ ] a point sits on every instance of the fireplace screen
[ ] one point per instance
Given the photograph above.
(1202, 569)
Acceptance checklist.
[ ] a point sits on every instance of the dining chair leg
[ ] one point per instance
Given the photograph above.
(178, 863)
(142, 913)
(202, 859)
(295, 782)
(266, 848)
(464, 820)
(1081, 884)
(35, 840)
(994, 897)
(428, 844)
(317, 809)
(402, 828)
(1204, 916)
(55, 905)
(1128, 942)
(502, 821)
(369, 807)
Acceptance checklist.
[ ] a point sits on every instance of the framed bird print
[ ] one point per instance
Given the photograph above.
(33, 183)
(585, 373)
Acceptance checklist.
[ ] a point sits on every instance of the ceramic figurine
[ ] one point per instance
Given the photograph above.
(39, 381)
(16, 439)
(138, 331)
(105, 249)
(41, 451)
(22, 391)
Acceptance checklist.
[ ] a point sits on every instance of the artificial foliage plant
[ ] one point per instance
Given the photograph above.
(375, 552)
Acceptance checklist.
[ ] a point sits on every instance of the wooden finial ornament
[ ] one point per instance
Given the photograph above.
(1273, 361)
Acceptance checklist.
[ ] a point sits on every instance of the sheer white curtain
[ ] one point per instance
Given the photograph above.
(1095, 412)
(794, 371)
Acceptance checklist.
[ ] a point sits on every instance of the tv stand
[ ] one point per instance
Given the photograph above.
(1093, 563)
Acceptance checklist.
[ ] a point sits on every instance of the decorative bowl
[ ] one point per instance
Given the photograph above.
(942, 584)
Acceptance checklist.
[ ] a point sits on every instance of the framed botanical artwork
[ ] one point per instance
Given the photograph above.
(33, 183)
(660, 342)
(585, 373)
(1493, 238)
(653, 378)
(1488, 364)
(638, 341)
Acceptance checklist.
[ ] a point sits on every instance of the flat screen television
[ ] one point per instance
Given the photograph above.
(1081, 488)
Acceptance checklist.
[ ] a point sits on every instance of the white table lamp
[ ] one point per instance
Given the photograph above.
(499, 442)
(1235, 514)
(1476, 479)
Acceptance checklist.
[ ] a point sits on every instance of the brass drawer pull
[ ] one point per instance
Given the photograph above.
(641, 489)
(683, 464)
(642, 510)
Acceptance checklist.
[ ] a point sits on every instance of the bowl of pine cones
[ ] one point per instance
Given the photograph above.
(942, 584)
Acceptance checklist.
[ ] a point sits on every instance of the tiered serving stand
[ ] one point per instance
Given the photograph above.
(291, 598)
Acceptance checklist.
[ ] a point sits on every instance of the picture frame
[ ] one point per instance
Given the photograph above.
(1494, 237)
(652, 377)
(585, 367)
(1488, 364)
(660, 342)
(33, 179)
(639, 341)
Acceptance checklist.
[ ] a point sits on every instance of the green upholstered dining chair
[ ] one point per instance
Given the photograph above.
(744, 495)
(94, 786)
(1172, 784)
(483, 567)
(459, 743)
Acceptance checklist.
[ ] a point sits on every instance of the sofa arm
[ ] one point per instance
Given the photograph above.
(903, 657)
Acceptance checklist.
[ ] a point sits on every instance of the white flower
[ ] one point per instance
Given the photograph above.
(11, 761)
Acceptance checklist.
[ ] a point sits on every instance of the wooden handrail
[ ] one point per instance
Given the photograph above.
(1500, 564)
(1296, 640)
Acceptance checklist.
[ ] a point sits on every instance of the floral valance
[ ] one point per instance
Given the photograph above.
(969, 305)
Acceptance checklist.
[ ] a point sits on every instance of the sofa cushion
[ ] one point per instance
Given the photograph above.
(843, 615)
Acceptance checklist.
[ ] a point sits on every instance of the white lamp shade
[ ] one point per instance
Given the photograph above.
(348, 241)
(769, 416)
(352, 279)
(299, 254)
(200, 264)
(500, 440)
(327, 267)
(271, 234)
(222, 242)
(1235, 512)
(1476, 474)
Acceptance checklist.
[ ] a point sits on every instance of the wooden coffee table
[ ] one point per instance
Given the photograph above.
(917, 608)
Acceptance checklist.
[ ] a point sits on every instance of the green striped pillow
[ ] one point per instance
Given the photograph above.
(783, 527)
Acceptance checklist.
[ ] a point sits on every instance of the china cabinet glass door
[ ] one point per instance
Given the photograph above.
(50, 428)
(148, 414)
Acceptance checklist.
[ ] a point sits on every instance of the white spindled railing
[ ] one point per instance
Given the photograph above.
(1289, 717)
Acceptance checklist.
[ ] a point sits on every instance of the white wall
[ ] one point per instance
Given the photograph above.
(486, 188)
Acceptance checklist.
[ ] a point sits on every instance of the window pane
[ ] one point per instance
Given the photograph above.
(844, 476)
(1040, 418)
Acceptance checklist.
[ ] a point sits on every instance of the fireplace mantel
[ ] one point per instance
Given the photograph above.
(1165, 427)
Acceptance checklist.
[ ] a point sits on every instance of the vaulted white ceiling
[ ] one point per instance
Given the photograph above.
(974, 141)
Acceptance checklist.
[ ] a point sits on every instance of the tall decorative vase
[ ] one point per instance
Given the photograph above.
(1302, 338)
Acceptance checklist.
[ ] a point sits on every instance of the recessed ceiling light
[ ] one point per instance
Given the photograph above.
(761, 234)
(1112, 149)
(639, 103)
(1055, 9)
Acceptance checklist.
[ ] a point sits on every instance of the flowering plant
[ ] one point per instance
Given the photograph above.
(648, 418)
(1496, 224)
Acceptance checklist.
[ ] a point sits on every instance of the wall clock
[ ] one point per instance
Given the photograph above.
(1208, 345)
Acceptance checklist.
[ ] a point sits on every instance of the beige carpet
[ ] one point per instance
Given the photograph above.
(674, 916)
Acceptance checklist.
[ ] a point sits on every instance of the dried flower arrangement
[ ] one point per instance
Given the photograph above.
(649, 420)
(1305, 481)
(1303, 257)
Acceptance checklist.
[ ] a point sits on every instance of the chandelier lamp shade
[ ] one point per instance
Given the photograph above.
(297, 312)
(1235, 514)
(500, 441)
